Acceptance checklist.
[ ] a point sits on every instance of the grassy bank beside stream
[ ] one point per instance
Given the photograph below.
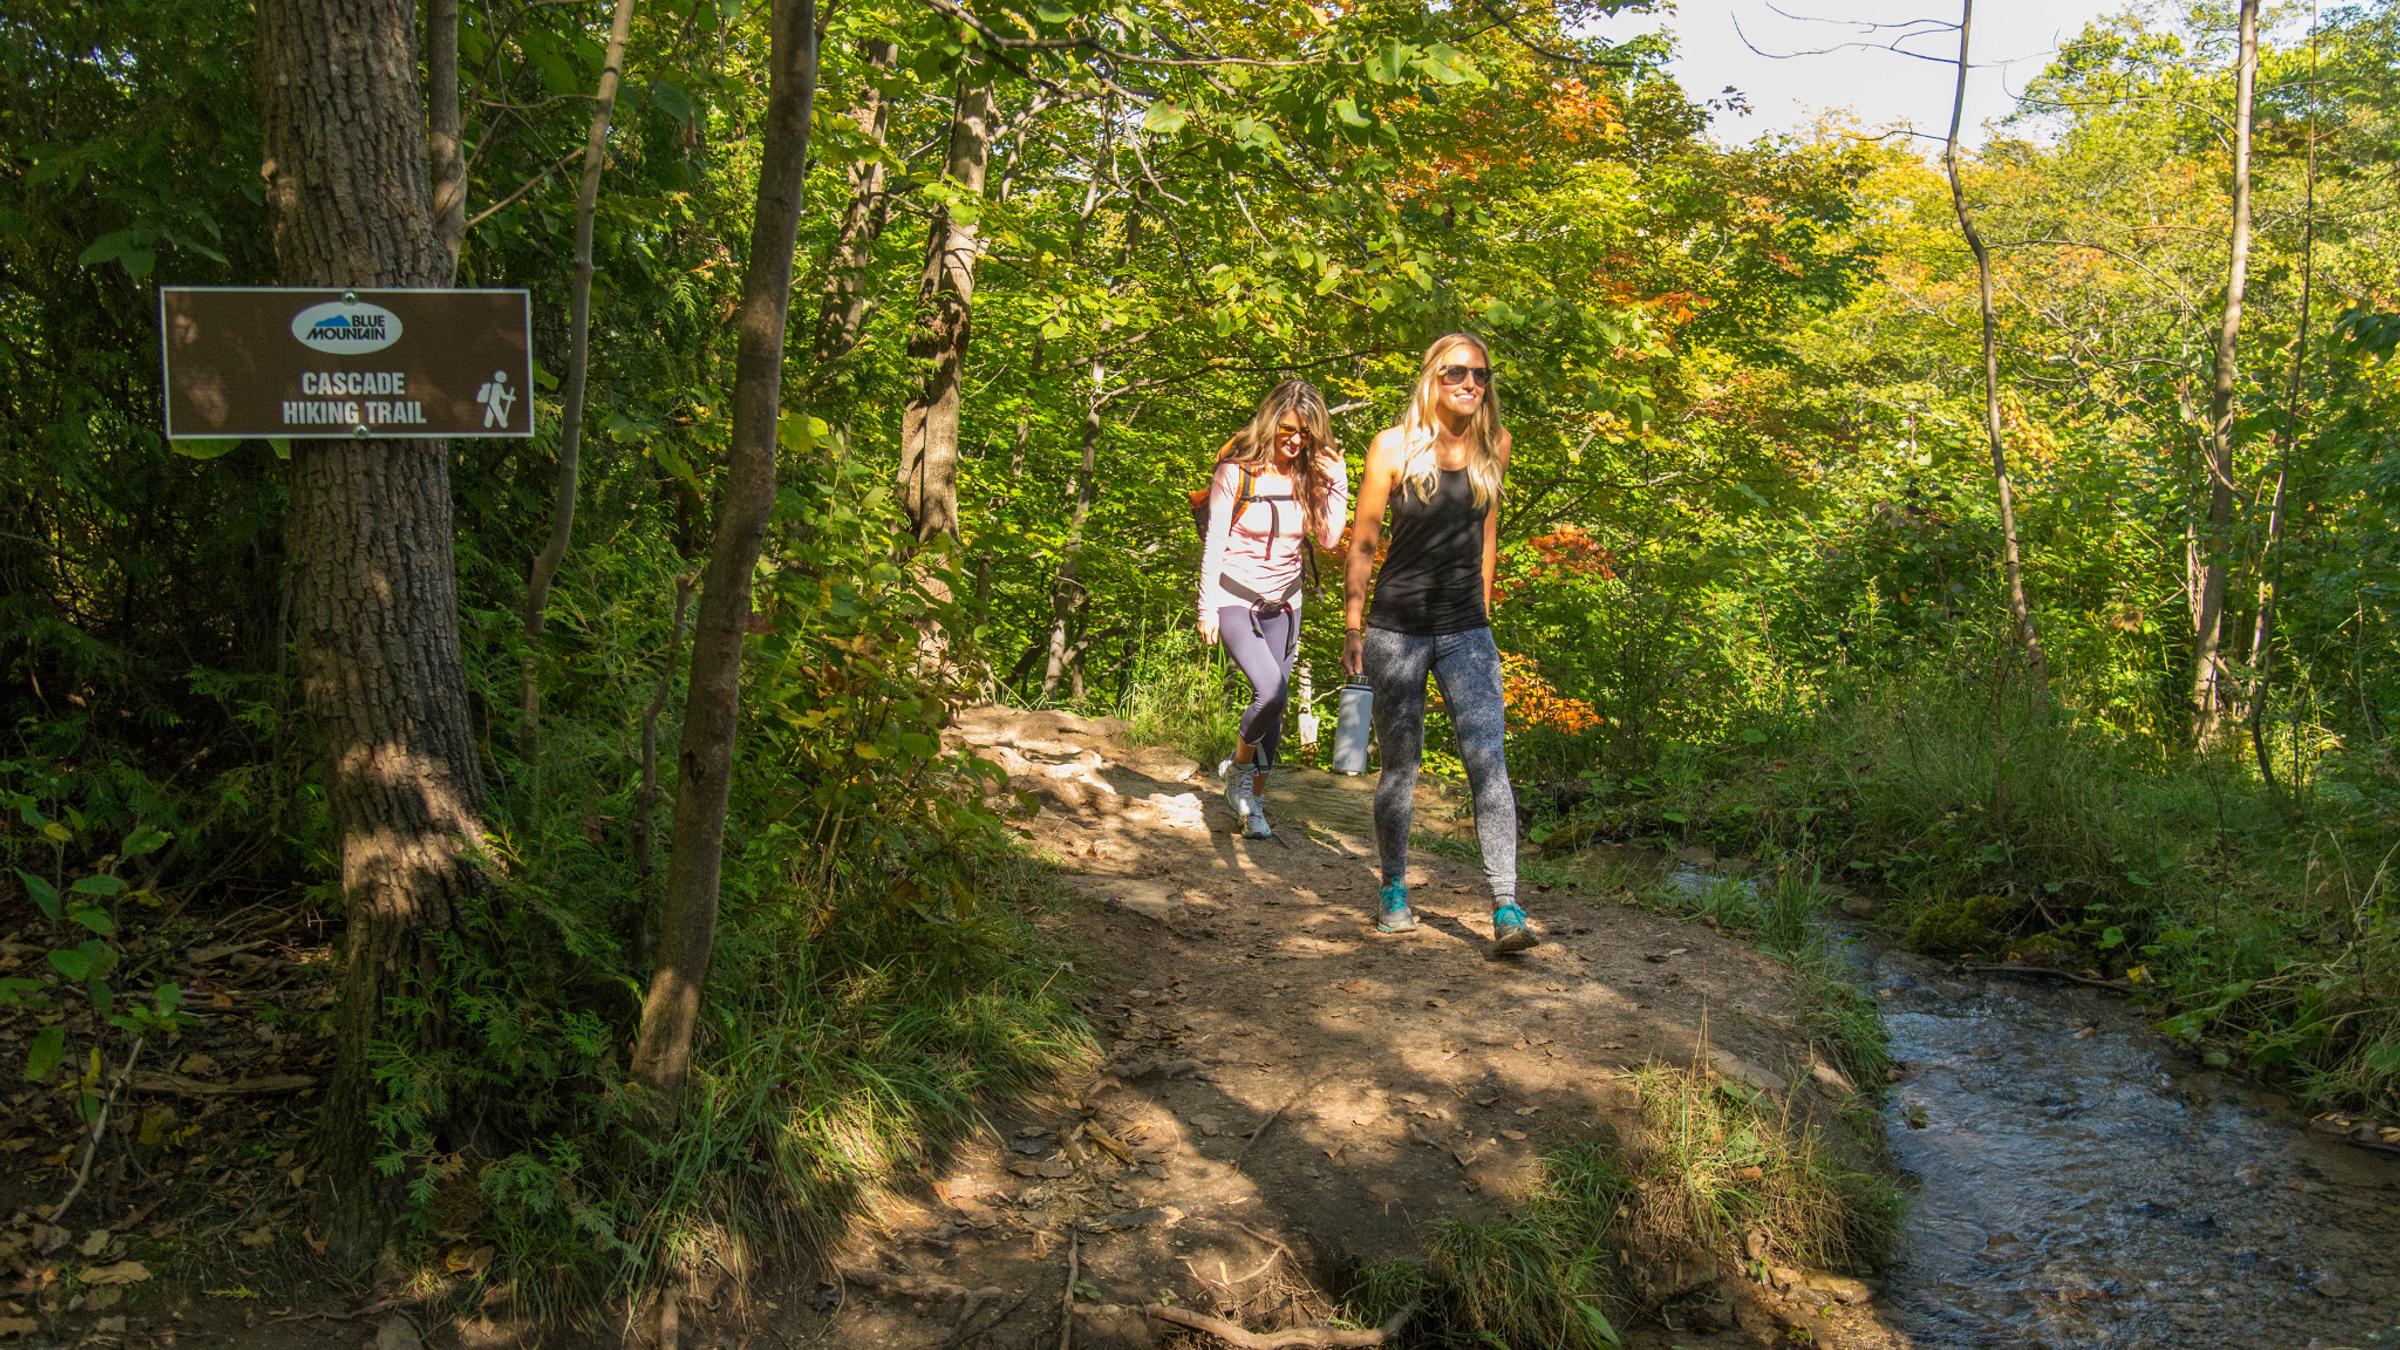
(2260, 923)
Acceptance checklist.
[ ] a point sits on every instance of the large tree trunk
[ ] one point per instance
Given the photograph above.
(2019, 612)
(1069, 597)
(445, 134)
(579, 365)
(843, 309)
(688, 922)
(2210, 693)
(375, 598)
(937, 349)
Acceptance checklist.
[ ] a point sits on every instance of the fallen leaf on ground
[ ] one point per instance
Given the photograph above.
(18, 1326)
(123, 1272)
(96, 1243)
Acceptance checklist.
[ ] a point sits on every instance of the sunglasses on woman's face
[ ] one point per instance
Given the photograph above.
(1295, 433)
(1454, 375)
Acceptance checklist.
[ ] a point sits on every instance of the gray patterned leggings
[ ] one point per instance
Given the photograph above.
(1467, 667)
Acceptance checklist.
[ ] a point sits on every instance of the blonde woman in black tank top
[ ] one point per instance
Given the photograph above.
(1439, 470)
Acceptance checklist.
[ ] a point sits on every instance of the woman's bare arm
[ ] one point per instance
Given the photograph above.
(1491, 528)
(1366, 530)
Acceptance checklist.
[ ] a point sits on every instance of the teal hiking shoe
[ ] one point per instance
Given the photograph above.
(1509, 933)
(1393, 914)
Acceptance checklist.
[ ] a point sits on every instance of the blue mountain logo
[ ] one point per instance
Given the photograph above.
(346, 329)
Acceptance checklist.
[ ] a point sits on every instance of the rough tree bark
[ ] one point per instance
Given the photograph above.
(843, 309)
(2019, 612)
(2209, 691)
(2270, 562)
(704, 758)
(938, 345)
(445, 134)
(375, 600)
(579, 365)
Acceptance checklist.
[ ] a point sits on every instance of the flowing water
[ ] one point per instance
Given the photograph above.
(2079, 1185)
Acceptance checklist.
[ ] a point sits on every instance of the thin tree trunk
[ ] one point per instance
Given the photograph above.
(2020, 613)
(843, 310)
(579, 366)
(2262, 633)
(375, 596)
(444, 134)
(662, 1056)
(645, 798)
(937, 349)
(2209, 694)
(1068, 595)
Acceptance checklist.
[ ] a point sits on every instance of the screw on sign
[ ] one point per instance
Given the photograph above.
(273, 362)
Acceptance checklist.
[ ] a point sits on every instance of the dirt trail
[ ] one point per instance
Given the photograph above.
(1284, 1091)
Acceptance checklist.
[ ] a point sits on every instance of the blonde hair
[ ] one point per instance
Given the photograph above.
(1419, 430)
(1253, 447)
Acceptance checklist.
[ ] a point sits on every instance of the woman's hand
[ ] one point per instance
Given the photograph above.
(1354, 653)
(1208, 632)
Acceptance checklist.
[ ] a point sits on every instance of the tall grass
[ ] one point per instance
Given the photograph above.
(2263, 928)
(1179, 696)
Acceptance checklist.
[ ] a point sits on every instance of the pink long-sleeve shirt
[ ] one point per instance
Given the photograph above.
(1244, 552)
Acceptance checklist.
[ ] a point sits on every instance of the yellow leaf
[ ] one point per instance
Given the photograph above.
(18, 1326)
(123, 1272)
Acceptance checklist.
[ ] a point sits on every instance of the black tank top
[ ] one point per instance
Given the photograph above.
(1431, 584)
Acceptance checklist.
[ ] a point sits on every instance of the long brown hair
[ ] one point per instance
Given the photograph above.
(1253, 447)
(1419, 429)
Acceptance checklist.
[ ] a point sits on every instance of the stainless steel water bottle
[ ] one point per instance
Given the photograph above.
(1352, 728)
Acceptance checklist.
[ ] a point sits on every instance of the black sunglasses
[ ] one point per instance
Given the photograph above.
(1482, 375)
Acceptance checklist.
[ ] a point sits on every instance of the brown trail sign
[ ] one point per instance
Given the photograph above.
(281, 361)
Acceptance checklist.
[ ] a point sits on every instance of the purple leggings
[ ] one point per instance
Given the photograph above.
(1261, 644)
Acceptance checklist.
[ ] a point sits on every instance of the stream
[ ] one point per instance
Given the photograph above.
(2077, 1182)
(2079, 1185)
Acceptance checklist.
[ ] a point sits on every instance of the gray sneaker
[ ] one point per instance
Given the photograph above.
(1255, 826)
(1239, 799)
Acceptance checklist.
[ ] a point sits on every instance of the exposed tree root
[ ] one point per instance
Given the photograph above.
(1241, 1338)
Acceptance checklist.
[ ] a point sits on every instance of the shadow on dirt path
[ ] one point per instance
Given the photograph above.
(1286, 1094)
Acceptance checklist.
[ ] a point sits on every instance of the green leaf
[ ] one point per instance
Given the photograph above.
(94, 918)
(73, 962)
(675, 102)
(1052, 13)
(43, 1056)
(144, 841)
(111, 247)
(45, 895)
(213, 448)
(1164, 119)
(1347, 110)
(99, 883)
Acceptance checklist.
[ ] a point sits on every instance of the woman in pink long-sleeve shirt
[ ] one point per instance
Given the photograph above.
(1280, 483)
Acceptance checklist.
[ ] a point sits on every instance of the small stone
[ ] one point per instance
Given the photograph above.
(2331, 1285)
(1858, 907)
(1840, 1288)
